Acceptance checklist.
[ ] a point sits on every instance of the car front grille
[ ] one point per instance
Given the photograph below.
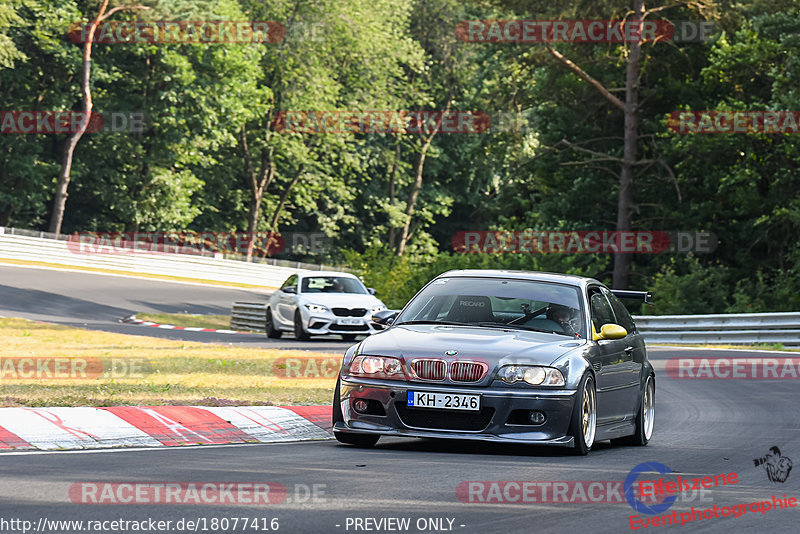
(348, 328)
(444, 419)
(467, 371)
(429, 369)
(349, 312)
(460, 371)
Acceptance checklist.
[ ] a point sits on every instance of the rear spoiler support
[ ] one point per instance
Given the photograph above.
(645, 296)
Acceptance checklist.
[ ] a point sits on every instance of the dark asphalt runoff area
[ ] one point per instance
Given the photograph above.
(97, 301)
(703, 428)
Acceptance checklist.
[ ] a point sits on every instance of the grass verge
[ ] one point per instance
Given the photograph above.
(51, 365)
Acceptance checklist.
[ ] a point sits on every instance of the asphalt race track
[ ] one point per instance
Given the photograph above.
(703, 428)
(98, 301)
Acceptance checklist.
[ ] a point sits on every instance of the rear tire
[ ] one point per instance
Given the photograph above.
(269, 326)
(300, 333)
(583, 425)
(645, 418)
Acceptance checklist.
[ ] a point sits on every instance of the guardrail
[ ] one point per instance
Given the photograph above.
(735, 328)
(248, 316)
(28, 245)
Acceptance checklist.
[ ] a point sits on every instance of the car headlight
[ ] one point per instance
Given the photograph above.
(316, 308)
(534, 375)
(377, 367)
(376, 309)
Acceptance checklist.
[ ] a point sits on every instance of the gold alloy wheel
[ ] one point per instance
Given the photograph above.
(589, 413)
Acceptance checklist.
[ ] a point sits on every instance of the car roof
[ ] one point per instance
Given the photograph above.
(326, 273)
(581, 281)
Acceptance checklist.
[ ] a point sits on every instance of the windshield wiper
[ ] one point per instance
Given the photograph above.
(423, 321)
(520, 327)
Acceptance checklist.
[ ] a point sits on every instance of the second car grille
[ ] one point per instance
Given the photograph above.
(429, 369)
(349, 312)
(466, 371)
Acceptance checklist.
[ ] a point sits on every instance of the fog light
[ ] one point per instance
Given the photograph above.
(360, 405)
(537, 418)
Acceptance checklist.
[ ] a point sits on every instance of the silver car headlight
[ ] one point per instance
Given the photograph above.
(316, 308)
(534, 375)
(376, 309)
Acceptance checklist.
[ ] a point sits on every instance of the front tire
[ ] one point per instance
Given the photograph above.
(357, 440)
(269, 325)
(583, 425)
(645, 418)
(300, 333)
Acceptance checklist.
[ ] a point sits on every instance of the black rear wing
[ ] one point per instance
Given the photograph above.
(646, 296)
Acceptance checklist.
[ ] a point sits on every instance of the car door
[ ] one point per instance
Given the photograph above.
(609, 363)
(634, 349)
(287, 302)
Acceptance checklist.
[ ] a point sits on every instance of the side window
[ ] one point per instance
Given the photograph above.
(602, 313)
(291, 281)
(624, 318)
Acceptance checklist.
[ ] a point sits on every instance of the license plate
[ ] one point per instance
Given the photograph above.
(445, 401)
(349, 321)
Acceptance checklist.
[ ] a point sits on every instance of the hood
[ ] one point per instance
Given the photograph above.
(341, 300)
(492, 345)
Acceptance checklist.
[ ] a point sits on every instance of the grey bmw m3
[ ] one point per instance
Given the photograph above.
(505, 356)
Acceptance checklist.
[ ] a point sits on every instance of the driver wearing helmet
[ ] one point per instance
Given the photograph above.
(563, 316)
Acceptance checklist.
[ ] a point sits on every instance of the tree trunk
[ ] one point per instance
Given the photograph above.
(414, 193)
(273, 225)
(412, 197)
(60, 200)
(258, 183)
(392, 196)
(622, 261)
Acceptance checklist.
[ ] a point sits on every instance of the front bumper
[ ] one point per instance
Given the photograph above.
(327, 323)
(495, 422)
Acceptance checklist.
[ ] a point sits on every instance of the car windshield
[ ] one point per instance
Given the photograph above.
(498, 303)
(332, 284)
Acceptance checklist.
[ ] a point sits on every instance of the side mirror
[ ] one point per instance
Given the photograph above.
(371, 290)
(612, 331)
(290, 289)
(385, 317)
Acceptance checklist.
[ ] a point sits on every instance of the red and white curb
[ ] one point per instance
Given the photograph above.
(159, 426)
(133, 320)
